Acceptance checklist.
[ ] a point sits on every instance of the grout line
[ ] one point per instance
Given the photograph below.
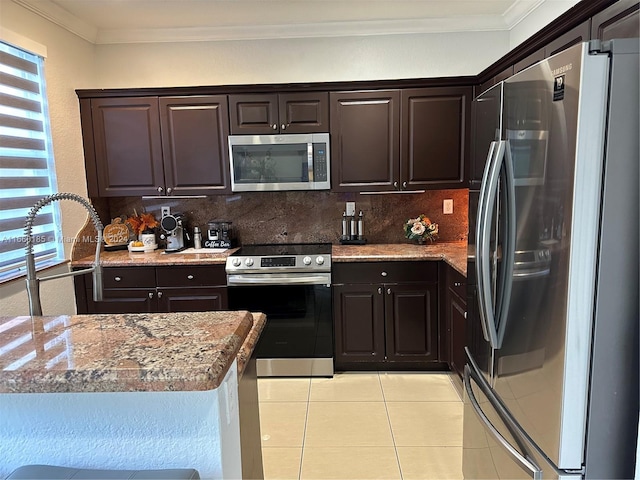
(304, 431)
(393, 438)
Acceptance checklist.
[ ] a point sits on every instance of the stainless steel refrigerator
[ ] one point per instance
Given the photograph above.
(551, 380)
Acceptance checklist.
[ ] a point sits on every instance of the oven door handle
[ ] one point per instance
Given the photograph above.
(275, 279)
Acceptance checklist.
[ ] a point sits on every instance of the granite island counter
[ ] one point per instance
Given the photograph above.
(129, 391)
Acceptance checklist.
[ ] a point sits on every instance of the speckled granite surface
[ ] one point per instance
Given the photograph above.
(124, 258)
(259, 320)
(119, 353)
(455, 254)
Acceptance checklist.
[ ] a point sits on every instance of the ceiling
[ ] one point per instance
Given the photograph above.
(133, 21)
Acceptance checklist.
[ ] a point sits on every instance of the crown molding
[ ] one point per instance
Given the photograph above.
(77, 26)
(61, 17)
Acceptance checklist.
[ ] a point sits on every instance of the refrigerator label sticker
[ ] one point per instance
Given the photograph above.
(558, 88)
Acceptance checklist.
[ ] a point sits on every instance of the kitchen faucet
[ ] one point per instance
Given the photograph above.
(33, 282)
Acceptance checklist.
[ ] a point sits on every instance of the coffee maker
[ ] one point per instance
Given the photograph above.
(176, 232)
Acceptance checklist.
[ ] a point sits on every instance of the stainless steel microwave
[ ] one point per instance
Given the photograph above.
(279, 162)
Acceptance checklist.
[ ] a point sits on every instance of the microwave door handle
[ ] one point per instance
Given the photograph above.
(310, 161)
(533, 469)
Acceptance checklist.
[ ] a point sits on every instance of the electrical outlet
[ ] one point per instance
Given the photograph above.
(165, 211)
(447, 206)
(351, 208)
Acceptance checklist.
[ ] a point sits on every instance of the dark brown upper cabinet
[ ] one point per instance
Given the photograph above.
(574, 36)
(194, 143)
(435, 137)
(365, 140)
(155, 146)
(620, 20)
(398, 140)
(255, 114)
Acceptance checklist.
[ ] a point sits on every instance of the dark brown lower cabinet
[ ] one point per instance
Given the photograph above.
(455, 312)
(155, 289)
(386, 325)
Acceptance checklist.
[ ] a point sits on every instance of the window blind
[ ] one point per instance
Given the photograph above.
(26, 163)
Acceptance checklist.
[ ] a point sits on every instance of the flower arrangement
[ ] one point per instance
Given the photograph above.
(420, 229)
(142, 222)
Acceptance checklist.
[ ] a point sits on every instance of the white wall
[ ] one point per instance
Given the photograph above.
(541, 16)
(298, 60)
(69, 64)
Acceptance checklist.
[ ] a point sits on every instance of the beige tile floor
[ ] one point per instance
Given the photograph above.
(357, 426)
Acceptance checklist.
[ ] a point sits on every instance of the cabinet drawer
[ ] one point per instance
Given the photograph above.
(127, 277)
(458, 283)
(191, 276)
(384, 272)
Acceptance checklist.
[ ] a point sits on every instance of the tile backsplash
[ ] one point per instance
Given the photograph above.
(305, 217)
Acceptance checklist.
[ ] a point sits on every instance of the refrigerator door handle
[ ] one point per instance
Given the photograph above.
(508, 245)
(533, 469)
(487, 198)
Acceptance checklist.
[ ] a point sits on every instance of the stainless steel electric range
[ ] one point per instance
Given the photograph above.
(291, 284)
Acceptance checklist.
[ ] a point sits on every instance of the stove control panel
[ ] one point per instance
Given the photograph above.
(286, 263)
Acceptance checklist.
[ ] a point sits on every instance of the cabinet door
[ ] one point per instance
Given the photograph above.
(131, 300)
(202, 299)
(435, 133)
(411, 322)
(457, 319)
(358, 315)
(365, 134)
(253, 114)
(304, 112)
(128, 150)
(620, 20)
(574, 36)
(194, 144)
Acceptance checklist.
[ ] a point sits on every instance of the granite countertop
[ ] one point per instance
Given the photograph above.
(259, 321)
(124, 258)
(123, 352)
(455, 254)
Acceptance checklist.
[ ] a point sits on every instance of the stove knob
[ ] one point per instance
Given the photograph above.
(306, 260)
(319, 260)
(248, 262)
(236, 262)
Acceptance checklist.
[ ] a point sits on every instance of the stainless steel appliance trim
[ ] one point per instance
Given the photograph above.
(294, 367)
(308, 138)
(310, 162)
(535, 471)
(279, 279)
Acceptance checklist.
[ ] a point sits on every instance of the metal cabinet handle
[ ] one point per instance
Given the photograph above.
(117, 279)
(404, 185)
(160, 189)
(384, 274)
(380, 290)
(169, 189)
(388, 291)
(159, 294)
(457, 284)
(274, 126)
(190, 277)
(395, 184)
(150, 294)
(283, 127)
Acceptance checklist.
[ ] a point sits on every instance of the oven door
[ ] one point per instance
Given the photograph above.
(297, 339)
